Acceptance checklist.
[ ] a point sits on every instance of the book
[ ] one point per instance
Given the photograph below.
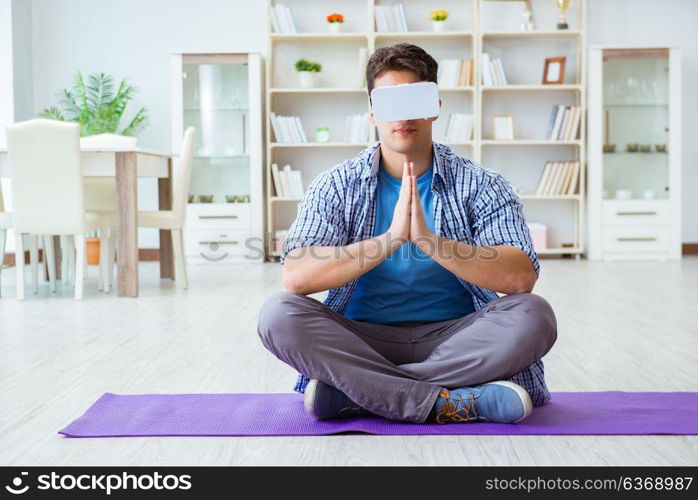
(287, 129)
(290, 20)
(285, 188)
(563, 123)
(572, 188)
(500, 71)
(558, 120)
(565, 180)
(564, 133)
(276, 127)
(403, 17)
(459, 127)
(552, 179)
(361, 69)
(299, 128)
(486, 75)
(571, 131)
(288, 185)
(466, 70)
(551, 122)
(274, 22)
(391, 18)
(277, 180)
(297, 184)
(545, 175)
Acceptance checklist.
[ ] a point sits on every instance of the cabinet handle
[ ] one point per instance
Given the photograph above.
(218, 216)
(636, 213)
(219, 242)
(648, 238)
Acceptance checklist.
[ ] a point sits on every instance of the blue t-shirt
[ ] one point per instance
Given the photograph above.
(407, 285)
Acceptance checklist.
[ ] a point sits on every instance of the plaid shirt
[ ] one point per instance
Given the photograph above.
(472, 204)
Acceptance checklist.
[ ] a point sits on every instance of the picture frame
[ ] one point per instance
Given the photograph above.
(554, 71)
(502, 127)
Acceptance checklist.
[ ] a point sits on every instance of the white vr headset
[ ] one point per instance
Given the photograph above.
(405, 101)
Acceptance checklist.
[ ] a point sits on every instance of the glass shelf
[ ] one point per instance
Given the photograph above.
(215, 95)
(636, 111)
(221, 157)
(625, 153)
(637, 105)
(197, 110)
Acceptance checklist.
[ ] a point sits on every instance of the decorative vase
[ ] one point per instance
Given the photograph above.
(335, 27)
(306, 79)
(92, 251)
(438, 26)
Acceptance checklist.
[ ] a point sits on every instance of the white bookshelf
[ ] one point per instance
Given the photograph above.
(473, 27)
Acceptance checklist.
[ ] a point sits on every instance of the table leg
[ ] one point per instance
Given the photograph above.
(165, 203)
(56, 258)
(57, 250)
(127, 233)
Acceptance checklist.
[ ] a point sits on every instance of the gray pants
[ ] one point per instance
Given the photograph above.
(396, 371)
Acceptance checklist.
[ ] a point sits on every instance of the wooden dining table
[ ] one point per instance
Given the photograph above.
(126, 164)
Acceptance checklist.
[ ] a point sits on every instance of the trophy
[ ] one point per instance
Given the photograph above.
(562, 7)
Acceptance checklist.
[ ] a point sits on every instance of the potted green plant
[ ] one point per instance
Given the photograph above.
(99, 107)
(438, 19)
(306, 72)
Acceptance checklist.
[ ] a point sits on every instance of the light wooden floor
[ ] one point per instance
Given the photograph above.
(622, 326)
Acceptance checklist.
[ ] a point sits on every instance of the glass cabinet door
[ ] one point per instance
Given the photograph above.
(636, 123)
(215, 95)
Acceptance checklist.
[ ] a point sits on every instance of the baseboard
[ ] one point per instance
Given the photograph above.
(144, 255)
(689, 248)
(153, 254)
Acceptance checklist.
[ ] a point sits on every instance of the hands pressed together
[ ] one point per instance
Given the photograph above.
(408, 218)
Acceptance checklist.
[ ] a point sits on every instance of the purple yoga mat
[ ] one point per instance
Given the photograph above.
(114, 415)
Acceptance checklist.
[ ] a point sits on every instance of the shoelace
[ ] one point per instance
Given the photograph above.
(451, 412)
(352, 411)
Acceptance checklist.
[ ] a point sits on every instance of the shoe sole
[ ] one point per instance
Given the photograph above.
(309, 398)
(525, 398)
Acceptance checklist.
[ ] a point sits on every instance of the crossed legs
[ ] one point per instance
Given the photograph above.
(396, 371)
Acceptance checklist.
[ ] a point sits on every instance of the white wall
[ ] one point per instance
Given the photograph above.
(135, 37)
(22, 59)
(6, 83)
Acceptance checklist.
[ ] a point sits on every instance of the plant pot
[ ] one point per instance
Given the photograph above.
(306, 79)
(335, 27)
(93, 251)
(438, 26)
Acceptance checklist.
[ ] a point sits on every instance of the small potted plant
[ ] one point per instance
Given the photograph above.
(335, 22)
(438, 19)
(306, 72)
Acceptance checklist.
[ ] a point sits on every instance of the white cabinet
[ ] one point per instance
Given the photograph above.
(221, 96)
(634, 153)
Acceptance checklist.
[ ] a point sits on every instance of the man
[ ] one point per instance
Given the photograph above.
(413, 242)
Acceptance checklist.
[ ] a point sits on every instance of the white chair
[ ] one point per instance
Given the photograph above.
(5, 225)
(100, 196)
(47, 194)
(174, 219)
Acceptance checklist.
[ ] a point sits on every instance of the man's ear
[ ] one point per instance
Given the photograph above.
(370, 117)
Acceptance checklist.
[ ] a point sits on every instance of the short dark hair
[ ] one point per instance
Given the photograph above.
(399, 57)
